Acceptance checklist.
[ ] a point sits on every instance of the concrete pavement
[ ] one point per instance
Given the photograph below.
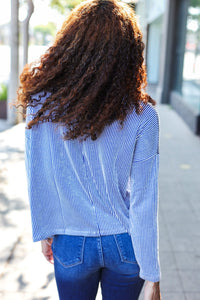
(25, 274)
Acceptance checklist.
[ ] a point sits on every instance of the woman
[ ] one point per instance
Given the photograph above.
(92, 156)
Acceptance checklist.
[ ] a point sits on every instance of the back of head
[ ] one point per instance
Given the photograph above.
(94, 70)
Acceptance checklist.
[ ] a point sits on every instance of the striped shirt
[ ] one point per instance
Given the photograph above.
(102, 187)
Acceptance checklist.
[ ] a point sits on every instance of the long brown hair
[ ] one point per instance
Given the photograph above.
(94, 71)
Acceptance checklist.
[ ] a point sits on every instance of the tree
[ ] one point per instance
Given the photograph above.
(25, 30)
(195, 3)
(62, 5)
(25, 41)
(45, 31)
(195, 16)
(14, 65)
(14, 46)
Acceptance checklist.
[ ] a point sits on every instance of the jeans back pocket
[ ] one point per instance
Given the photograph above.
(125, 248)
(68, 250)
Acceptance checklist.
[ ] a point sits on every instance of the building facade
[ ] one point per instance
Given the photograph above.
(171, 31)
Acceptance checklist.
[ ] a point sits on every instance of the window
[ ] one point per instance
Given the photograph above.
(191, 68)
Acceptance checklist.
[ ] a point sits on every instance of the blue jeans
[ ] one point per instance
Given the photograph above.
(81, 262)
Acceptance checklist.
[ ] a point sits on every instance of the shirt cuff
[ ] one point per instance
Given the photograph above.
(150, 277)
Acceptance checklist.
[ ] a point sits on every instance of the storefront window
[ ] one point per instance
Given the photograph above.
(154, 50)
(191, 69)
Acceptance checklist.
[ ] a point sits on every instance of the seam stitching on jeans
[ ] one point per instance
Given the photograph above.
(118, 247)
(102, 253)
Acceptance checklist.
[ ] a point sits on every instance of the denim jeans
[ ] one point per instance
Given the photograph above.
(81, 263)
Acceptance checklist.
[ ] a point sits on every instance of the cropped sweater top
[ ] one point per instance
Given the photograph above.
(102, 187)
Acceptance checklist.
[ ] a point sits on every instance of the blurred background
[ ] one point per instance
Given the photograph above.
(171, 32)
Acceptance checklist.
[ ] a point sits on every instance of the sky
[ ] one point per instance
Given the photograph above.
(42, 13)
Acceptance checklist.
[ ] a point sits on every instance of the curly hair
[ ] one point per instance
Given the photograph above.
(94, 71)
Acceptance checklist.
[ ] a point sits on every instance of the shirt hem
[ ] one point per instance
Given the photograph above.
(150, 277)
(76, 232)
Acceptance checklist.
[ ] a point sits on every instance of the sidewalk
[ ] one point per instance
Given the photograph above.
(25, 274)
(4, 125)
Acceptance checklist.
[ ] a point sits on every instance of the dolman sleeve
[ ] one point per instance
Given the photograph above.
(144, 195)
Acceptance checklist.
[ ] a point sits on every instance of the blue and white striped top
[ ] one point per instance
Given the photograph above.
(101, 187)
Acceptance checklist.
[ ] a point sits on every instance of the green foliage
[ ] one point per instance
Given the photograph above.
(62, 5)
(49, 28)
(195, 3)
(45, 31)
(3, 92)
(195, 15)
